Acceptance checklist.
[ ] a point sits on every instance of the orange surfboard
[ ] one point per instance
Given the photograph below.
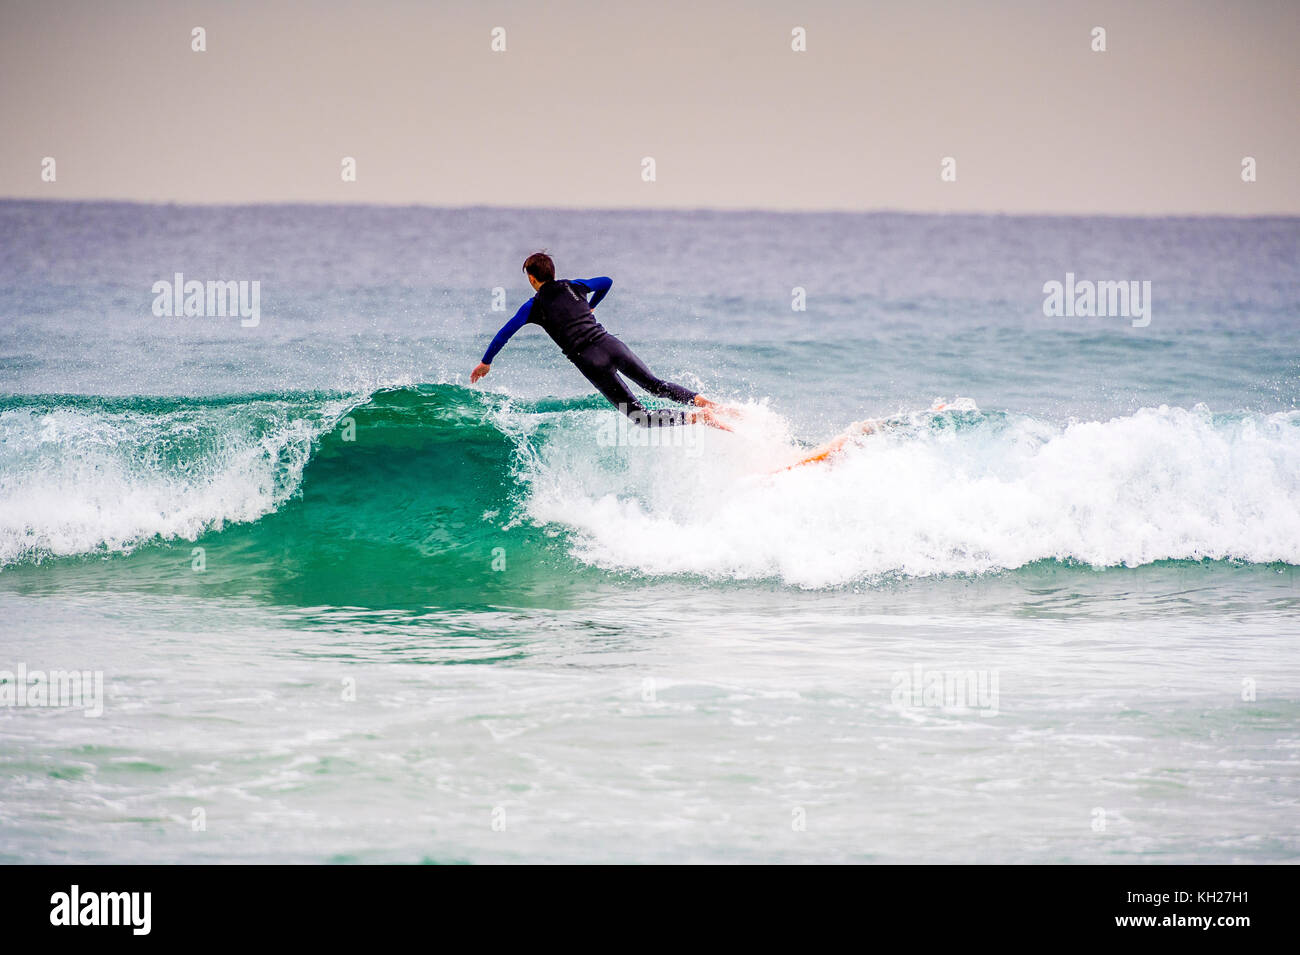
(826, 451)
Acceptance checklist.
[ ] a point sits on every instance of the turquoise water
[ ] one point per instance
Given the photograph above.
(349, 608)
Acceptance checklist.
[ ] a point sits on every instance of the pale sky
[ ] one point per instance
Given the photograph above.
(732, 116)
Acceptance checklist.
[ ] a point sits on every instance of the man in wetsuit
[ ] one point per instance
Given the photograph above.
(561, 308)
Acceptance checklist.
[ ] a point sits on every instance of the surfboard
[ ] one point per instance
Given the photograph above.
(832, 447)
(858, 429)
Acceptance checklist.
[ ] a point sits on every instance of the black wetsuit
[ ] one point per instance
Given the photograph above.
(561, 308)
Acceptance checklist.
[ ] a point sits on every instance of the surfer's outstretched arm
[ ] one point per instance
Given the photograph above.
(499, 342)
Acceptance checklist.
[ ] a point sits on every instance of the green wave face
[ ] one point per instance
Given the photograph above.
(403, 504)
(406, 499)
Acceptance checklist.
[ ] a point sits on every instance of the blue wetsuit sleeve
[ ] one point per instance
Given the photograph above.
(600, 285)
(508, 329)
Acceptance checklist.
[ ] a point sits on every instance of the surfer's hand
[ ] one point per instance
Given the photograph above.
(479, 371)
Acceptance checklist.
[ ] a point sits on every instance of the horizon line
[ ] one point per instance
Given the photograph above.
(716, 210)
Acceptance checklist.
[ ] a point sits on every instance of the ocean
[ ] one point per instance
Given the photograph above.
(346, 607)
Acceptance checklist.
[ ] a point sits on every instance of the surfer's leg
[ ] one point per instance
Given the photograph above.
(599, 368)
(626, 361)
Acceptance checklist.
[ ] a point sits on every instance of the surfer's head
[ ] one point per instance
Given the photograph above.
(540, 269)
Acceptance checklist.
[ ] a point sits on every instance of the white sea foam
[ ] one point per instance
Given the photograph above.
(941, 495)
(82, 480)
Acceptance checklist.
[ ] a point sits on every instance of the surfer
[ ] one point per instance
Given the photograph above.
(563, 311)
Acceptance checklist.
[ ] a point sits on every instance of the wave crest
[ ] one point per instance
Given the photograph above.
(950, 493)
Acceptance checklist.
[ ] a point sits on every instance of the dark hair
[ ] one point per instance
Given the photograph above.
(540, 266)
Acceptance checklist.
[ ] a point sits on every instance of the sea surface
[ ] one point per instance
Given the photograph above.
(347, 607)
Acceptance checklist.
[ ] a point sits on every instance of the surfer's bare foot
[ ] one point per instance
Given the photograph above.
(706, 416)
(714, 408)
